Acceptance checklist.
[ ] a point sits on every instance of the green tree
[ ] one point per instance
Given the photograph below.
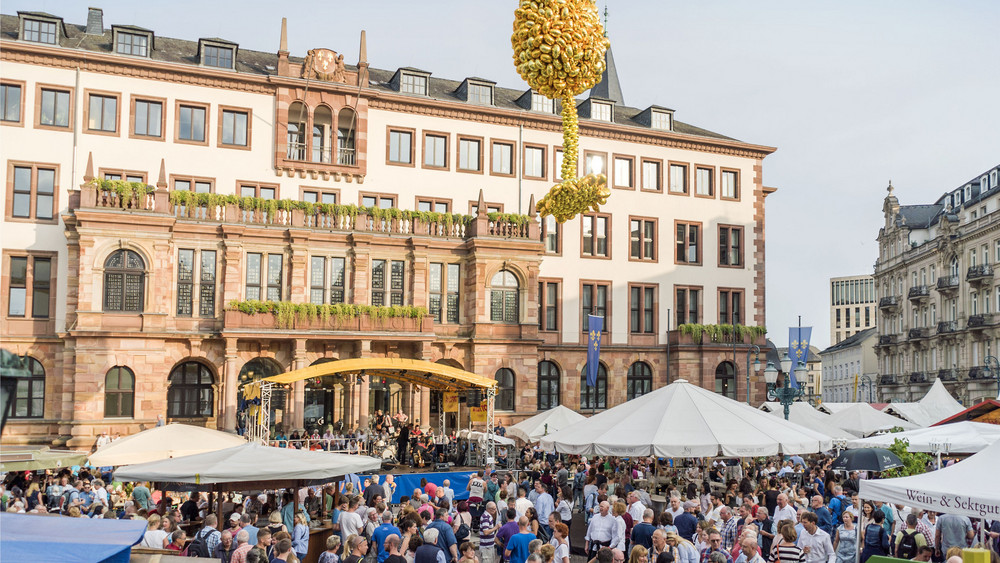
(914, 463)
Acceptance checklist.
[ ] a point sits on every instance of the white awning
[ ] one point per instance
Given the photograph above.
(163, 442)
(548, 422)
(964, 437)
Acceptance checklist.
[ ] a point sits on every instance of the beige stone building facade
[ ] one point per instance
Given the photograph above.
(937, 296)
(185, 215)
(853, 306)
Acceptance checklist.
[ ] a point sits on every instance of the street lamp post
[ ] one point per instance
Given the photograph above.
(786, 394)
(865, 380)
(756, 365)
(994, 372)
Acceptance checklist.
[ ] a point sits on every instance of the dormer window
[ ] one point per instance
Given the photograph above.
(132, 43)
(661, 120)
(413, 84)
(39, 31)
(220, 57)
(600, 111)
(541, 103)
(480, 93)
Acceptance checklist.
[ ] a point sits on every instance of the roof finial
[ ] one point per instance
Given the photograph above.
(605, 20)
(283, 42)
(889, 189)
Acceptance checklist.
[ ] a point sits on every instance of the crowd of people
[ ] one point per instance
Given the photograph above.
(723, 511)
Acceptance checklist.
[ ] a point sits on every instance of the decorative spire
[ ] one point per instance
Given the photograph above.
(889, 189)
(88, 175)
(481, 205)
(363, 51)
(609, 88)
(161, 181)
(283, 42)
(531, 206)
(605, 20)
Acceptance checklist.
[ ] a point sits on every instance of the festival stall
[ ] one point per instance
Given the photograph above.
(861, 419)
(32, 537)
(163, 442)
(544, 423)
(964, 437)
(683, 420)
(804, 414)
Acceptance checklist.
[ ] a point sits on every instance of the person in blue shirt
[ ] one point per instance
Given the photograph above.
(822, 514)
(446, 536)
(246, 523)
(87, 496)
(382, 532)
(517, 548)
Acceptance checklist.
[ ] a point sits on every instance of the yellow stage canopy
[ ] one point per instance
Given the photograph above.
(418, 372)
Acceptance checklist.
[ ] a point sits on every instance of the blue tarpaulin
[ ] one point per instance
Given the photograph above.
(30, 537)
(406, 482)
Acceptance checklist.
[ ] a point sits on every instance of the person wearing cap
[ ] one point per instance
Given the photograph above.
(687, 523)
(235, 524)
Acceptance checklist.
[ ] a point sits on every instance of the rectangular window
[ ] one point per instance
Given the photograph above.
(557, 160)
(201, 186)
(548, 305)
(185, 282)
(434, 205)
(688, 300)
(730, 246)
(132, 44)
(148, 119)
(393, 287)
(594, 301)
(730, 184)
(551, 231)
(338, 280)
(642, 239)
(259, 190)
(661, 120)
(435, 151)
(596, 235)
(219, 57)
(41, 287)
(328, 197)
(317, 280)
(731, 306)
(55, 108)
(678, 178)
(39, 31)
(595, 163)
(838, 318)
(33, 193)
(642, 314)
(206, 295)
(443, 292)
(10, 103)
(17, 296)
(688, 243)
(469, 155)
(271, 282)
(503, 159)
(481, 94)
(534, 162)
(377, 200)
(191, 123)
(541, 103)
(651, 175)
(453, 292)
(435, 290)
(623, 172)
(703, 182)
(413, 84)
(275, 263)
(400, 147)
(600, 111)
(235, 128)
(253, 276)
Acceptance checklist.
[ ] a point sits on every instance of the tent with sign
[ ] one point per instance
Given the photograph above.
(684, 420)
(862, 419)
(547, 422)
(969, 488)
(964, 437)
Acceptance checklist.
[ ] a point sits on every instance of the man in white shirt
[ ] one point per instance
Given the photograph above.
(814, 542)
(715, 513)
(784, 511)
(675, 509)
(522, 504)
(601, 531)
(350, 521)
(750, 551)
(635, 507)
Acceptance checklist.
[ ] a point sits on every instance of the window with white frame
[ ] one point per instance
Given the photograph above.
(600, 111)
(413, 84)
(481, 94)
(661, 120)
(39, 31)
(541, 103)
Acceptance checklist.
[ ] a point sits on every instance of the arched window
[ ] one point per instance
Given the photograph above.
(954, 265)
(725, 380)
(119, 392)
(297, 115)
(640, 380)
(124, 281)
(548, 386)
(505, 390)
(322, 126)
(30, 396)
(594, 397)
(504, 297)
(347, 126)
(190, 393)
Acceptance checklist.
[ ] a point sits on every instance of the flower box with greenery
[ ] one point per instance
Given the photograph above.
(284, 315)
(692, 333)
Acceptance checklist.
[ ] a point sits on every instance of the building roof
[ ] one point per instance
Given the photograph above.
(851, 341)
(608, 88)
(184, 51)
(974, 412)
(920, 216)
(813, 354)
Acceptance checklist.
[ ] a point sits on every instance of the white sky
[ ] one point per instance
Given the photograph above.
(853, 93)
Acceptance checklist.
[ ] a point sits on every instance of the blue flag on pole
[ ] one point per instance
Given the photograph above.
(595, 325)
(798, 347)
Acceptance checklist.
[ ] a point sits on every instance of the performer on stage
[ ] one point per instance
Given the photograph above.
(402, 441)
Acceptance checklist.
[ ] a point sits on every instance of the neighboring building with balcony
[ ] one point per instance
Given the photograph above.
(937, 297)
(853, 306)
(183, 216)
(844, 365)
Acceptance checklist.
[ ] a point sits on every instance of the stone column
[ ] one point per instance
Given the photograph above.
(425, 406)
(363, 405)
(229, 386)
(297, 404)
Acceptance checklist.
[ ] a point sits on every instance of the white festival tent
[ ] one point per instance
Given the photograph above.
(935, 406)
(249, 463)
(684, 420)
(804, 414)
(833, 408)
(481, 437)
(548, 422)
(862, 419)
(163, 442)
(969, 487)
(966, 437)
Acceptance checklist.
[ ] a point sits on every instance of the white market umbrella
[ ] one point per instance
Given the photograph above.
(162, 442)
(969, 488)
(862, 419)
(548, 422)
(966, 437)
(250, 463)
(804, 414)
(684, 420)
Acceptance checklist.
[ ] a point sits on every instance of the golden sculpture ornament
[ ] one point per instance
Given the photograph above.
(559, 48)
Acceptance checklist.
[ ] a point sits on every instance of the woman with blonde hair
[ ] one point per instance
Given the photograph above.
(617, 510)
(548, 553)
(639, 554)
(154, 536)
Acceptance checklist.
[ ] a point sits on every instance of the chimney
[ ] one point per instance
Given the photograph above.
(283, 67)
(95, 21)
